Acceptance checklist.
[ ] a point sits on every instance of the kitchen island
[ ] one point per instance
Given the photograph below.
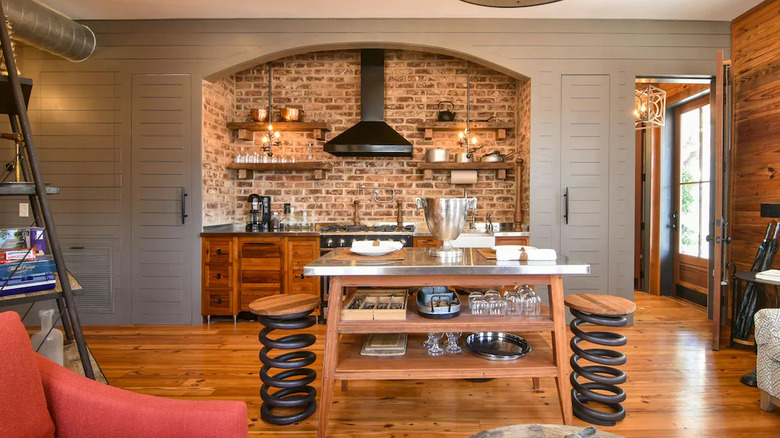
(342, 359)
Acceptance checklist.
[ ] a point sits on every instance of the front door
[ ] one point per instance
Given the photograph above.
(692, 217)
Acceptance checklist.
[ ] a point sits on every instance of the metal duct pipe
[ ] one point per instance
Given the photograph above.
(48, 30)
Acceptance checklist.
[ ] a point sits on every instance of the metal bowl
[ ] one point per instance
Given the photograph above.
(291, 114)
(437, 155)
(259, 114)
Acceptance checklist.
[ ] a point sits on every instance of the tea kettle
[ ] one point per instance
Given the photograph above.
(446, 115)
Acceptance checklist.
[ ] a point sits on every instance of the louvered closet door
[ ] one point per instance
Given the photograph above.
(585, 179)
(162, 149)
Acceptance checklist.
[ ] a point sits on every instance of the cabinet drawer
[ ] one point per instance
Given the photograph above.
(217, 302)
(426, 242)
(217, 275)
(513, 240)
(247, 296)
(217, 250)
(268, 248)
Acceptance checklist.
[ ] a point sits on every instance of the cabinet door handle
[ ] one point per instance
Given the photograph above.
(183, 206)
(219, 276)
(566, 206)
(302, 277)
(219, 251)
(219, 300)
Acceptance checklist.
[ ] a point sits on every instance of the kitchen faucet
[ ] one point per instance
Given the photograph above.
(356, 217)
(489, 228)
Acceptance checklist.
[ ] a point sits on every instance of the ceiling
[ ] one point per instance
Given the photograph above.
(710, 10)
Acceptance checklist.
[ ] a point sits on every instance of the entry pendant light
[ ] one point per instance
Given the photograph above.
(509, 3)
(649, 106)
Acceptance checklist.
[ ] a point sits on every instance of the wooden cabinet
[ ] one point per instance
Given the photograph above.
(260, 268)
(426, 242)
(239, 270)
(217, 277)
(298, 252)
(512, 240)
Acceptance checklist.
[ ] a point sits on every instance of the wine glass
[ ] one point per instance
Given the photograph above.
(429, 342)
(435, 349)
(452, 343)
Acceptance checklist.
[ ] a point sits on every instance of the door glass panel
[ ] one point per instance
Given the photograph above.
(694, 189)
(705, 143)
(689, 146)
(704, 223)
(689, 219)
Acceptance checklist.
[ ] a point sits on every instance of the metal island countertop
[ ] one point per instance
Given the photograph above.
(418, 262)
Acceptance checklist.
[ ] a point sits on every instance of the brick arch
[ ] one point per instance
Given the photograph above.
(260, 56)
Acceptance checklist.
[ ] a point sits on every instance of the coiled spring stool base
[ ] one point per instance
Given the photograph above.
(603, 377)
(291, 385)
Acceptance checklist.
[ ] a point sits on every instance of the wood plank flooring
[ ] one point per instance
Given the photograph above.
(677, 386)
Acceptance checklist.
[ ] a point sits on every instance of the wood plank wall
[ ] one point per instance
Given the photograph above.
(756, 70)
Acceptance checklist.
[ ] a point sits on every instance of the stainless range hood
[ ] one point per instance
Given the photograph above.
(371, 137)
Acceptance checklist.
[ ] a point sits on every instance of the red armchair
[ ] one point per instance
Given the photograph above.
(39, 398)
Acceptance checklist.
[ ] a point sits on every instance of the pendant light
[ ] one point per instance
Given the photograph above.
(509, 3)
(465, 139)
(270, 138)
(649, 106)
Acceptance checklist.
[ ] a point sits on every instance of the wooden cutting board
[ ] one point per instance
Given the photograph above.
(346, 254)
(488, 253)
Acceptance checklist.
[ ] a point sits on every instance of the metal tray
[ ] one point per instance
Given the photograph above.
(496, 345)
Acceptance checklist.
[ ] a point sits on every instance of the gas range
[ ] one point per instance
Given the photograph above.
(339, 236)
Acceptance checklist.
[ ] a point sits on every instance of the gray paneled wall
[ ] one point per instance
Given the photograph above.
(543, 50)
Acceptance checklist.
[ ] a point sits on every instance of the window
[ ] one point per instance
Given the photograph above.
(694, 181)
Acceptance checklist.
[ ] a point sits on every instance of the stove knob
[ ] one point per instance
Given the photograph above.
(329, 243)
(342, 242)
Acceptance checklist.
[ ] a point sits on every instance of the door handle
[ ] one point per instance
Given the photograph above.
(566, 206)
(183, 206)
(675, 221)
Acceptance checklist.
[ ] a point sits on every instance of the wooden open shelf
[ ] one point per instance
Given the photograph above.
(500, 128)
(245, 130)
(500, 168)
(416, 364)
(465, 322)
(246, 170)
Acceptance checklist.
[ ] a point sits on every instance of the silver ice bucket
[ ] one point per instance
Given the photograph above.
(445, 218)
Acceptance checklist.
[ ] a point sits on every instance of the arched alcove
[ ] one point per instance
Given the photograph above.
(324, 81)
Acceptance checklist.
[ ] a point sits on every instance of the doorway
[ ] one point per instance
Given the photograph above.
(664, 266)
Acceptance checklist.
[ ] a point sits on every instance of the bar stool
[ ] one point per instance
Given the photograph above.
(286, 312)
(607, 311)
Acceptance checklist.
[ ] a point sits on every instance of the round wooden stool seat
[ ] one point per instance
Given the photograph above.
(598, 304)
(280, 305)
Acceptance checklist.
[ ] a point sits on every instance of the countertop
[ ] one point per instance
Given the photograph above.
(230, 230)
(418, 262)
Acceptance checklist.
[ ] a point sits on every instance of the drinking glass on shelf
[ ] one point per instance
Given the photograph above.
(473, 296)
(479, 306)
(492, 294)
(435, 349)
(497, 307)
(512, 299)
(452, 343)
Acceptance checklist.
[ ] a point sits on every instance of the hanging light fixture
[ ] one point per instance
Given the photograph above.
(649, 106)
(509, 3)
(465, 139)
(270, 138)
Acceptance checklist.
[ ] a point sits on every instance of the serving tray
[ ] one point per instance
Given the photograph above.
(496, 345)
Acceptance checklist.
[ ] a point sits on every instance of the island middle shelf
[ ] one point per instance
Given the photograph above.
(465, 322)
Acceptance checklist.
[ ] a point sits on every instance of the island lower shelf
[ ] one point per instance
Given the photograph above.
(416, 364)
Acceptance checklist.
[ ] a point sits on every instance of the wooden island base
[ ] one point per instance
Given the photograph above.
(342, 359)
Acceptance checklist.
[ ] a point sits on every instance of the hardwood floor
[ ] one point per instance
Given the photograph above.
(677, 386)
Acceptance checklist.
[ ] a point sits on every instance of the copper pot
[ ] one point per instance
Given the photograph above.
(259, 114)
(291, 114)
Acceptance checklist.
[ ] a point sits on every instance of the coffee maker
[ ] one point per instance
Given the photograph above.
(259, 213)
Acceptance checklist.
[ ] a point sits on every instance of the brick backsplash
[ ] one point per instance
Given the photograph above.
(326, 85)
